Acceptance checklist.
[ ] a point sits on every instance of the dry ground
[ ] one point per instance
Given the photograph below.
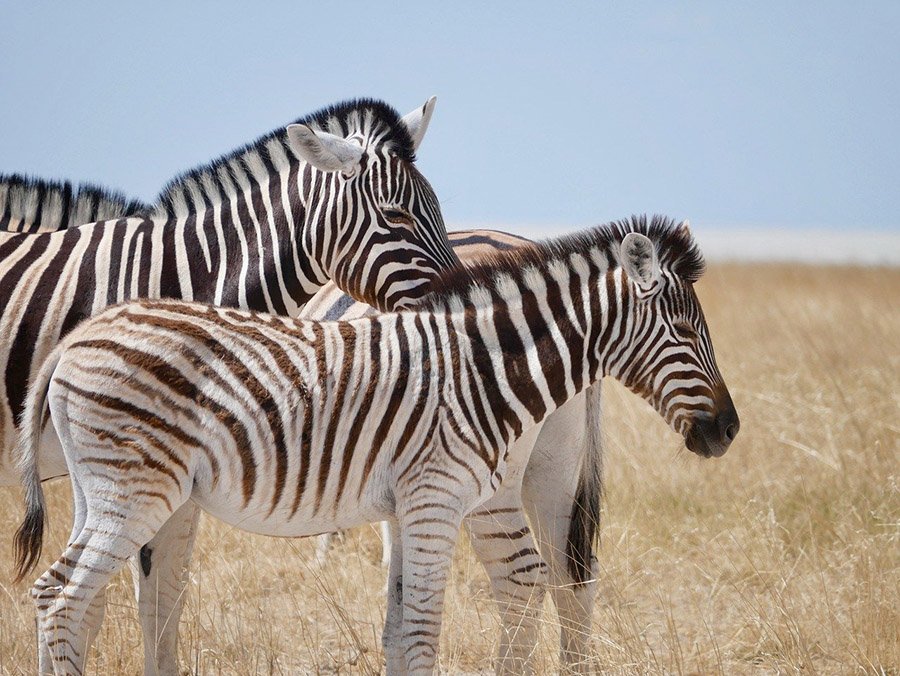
(781, 557)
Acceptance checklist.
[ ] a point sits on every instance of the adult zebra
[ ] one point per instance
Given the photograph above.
(36, 205)
(409, 415)
(560, 491)
(335, 195)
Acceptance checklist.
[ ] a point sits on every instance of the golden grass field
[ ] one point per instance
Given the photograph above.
(781, 557)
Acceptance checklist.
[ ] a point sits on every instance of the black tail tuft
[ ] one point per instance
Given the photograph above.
(30, 536)
(584, 520)
(583, 532)
(29, 541)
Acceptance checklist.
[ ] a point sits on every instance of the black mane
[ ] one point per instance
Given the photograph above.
(102, 203)
(340, 119)
(675, 247)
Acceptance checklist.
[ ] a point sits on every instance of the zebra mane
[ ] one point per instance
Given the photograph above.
(54, 205)
(675, 247)
(340, 119)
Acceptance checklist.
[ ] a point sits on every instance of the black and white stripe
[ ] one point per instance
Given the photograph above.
(260, 228)
(292, 427)
(334, 196)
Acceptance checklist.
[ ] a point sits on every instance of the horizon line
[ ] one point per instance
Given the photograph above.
(812, 245)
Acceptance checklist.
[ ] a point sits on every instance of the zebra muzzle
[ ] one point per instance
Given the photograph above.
(710, 437)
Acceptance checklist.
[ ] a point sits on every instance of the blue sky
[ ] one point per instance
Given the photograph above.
(781, 115)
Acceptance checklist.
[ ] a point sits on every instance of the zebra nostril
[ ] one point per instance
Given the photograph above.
(729, 425)
(731, 432)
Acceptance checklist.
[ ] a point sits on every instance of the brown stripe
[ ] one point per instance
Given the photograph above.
(395, 399)
(348, 339)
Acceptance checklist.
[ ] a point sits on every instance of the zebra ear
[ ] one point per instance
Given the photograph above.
(417, 121)
(638, 258)
(322, 150)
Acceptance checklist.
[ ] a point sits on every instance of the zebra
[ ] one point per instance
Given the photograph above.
(335, 195)
(560, 488)
(291, 427)
(565, 526)
(36, 205)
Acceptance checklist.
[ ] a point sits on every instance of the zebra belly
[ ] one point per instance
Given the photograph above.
(256, 518)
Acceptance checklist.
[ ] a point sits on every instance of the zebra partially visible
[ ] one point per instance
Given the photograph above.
(36, 205)
(560, 492)
(291, 427)
(335, 195)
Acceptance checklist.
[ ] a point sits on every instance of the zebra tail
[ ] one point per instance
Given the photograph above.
(584, 519)
(29, 538)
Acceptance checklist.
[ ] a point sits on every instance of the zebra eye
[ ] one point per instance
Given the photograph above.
(685, 330)
(398, 216)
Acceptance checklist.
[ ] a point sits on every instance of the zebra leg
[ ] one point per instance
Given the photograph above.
(62, 597)
(94, 614)
(65, 593)
(325, 541)
(428, 534)
(391, 637)
(504, 544)
(93, 619)
(160, 573)
(387, 539)
(561, 493)
(323, 546)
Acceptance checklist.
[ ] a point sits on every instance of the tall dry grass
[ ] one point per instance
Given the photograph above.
(781, 557)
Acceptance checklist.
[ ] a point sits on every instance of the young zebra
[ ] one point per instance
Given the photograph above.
(560, 491)
(333, 196)
(35, 205)
(292, 427)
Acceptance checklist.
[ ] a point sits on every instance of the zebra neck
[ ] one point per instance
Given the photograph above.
(242, 235)
(542, 338)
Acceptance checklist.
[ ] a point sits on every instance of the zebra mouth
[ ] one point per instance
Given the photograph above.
(699, 440)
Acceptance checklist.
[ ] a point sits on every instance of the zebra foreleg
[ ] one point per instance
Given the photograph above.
(504, 544)
(428, 534)
(160, 572)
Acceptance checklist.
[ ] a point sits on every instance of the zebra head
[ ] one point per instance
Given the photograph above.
(671, 362)
(380, 232)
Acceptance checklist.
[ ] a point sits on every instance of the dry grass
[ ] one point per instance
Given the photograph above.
(781, 557)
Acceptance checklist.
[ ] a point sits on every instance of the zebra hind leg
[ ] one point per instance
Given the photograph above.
(94, 616)
(325, 542)
(160, 575)
(504, 544)
(66, 596)
(66, 593)
(563, 507)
